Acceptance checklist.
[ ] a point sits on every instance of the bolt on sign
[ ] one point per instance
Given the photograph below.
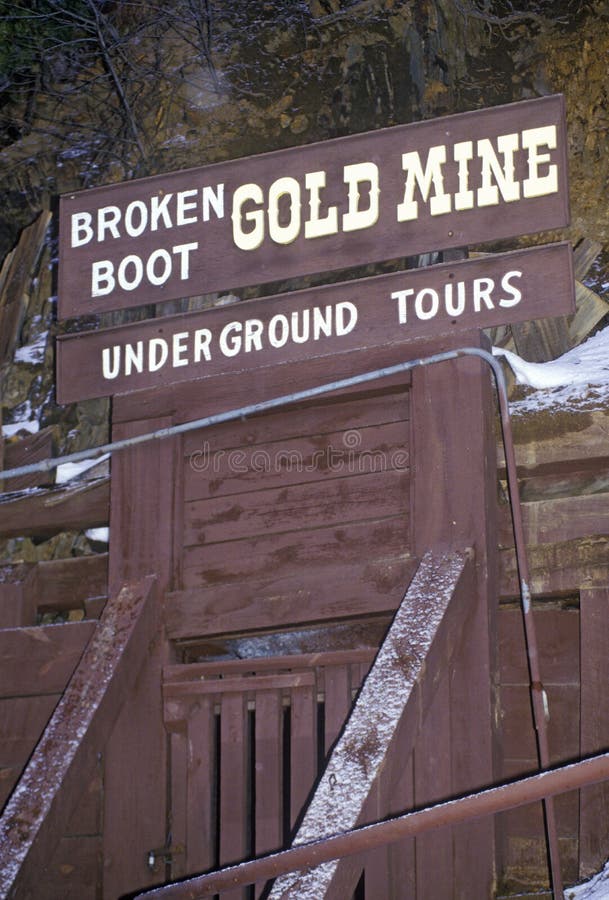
(459, 180)
(400, 308)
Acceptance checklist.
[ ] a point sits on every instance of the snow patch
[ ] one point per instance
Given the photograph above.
(577, 380)
(595, 889)
(68, 471)
(101, 535)
(33, 353)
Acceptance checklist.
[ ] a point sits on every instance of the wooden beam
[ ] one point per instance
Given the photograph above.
(38, 812)
(47, 512)
(398, 689)
(29, 449)
(52, 653)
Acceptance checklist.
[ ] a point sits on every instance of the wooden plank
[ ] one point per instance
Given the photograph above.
(432, 783)
(453, 433)
(22, 721)
(46, 512)
(268, 778)
(38, 812)
(584, 254)
(397, 689)
(214, 473)
(559, 568)
(52, 653)
(296, 508)
(331, 592)
(337, 702)
(541, 340)
(201, 787)
(303, 747)
(381, 406)
(29, 449)
(180, 787)
(287, 555)
(259, 664)
(73, 582)
(17, 598)
(225, 685)
(233, 785)
(15, 278)
(594, 801)
(559, 643)
(559, 519)
(75, 872)
(591, 308)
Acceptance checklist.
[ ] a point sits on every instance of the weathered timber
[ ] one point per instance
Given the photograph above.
(559, 519)
(591, 309)
(71, 583)
(558, 569)
(15, 279)
(452, 433)
(398, 689)
(41, 513)
(285, 599)
(29, 449)
(584, 253)
(17, 596)
(52, 653)
(541, 340)
(38, 812)
(594, 725)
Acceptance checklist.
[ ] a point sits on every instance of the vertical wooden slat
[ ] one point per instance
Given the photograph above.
(268, 756)
(303, 747)
(594, 724)
(432, 780)
(337, 693)
(180, 800)
(201, 766)
(402, 865)
(233, 784)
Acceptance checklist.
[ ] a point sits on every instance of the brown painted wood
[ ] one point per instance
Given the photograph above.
(337, 702)
(557, 569)
(218, 263)
(594, 801)
(200, 799)
(22, 721)
(453, 502)
(47, 512)
(71, 583)
(17, 598)
(303, 747)
(52, 782)
(296, 508)
(195, 672)
(233, 784)
(52, 653)
(397, 691)
(268, 765)
(29, 449)
(401, 308)
(212, 472)
(74, 871)
(559, 519)
(331, 591)
(180, 803)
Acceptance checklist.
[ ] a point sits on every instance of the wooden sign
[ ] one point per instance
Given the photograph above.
(400, 308)
(449, 182)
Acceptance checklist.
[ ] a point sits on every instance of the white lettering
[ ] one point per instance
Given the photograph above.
(212, 198)
(284, 187)
(278, 339)
(440, 202)
(355, 218)
(252, 239)
(232, 348)
(158, 352)
(158, 210)
(151, 274)
(322, 321)
(482, 290)
(134, 229)
(401, 297)
(134, 357)
(514, 291)
(184, 251)
(253, 335)
(537, 185)
(316, 227)
(346, 317)
(81, 229)
(102, 278)
(488, 193)
(138, 272)
(453, 309)
(419, 304)
(111, 370)
(463, 153)
(184, 206)
(202, 342)
(108, 218)
(179, 349)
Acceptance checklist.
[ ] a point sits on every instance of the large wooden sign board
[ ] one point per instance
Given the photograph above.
(401, 308)
(449, 182)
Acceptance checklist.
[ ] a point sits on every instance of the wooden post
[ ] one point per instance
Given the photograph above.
(141, 540)
(454, 505)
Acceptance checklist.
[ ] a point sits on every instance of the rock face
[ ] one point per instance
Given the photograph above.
(134, 91)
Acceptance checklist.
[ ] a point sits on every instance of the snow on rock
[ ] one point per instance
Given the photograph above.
(69, 471)
(33, 353)
(576, 381)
